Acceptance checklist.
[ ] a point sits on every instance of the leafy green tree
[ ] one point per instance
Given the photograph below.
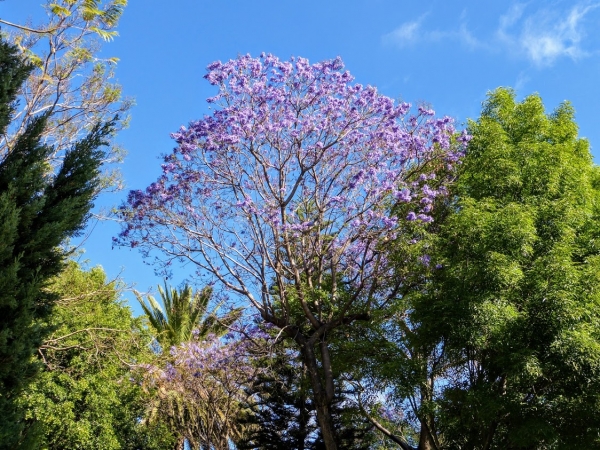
(88, 395)
(503, 340)
(70, 82)
(184, 313)
(38, 211)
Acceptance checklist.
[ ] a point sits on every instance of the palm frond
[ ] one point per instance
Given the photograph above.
(183, 312)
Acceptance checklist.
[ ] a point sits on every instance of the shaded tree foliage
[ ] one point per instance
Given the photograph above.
(283, 413)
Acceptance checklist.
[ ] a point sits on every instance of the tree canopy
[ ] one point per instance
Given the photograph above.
(280, 197)
(88, 394)
(71, 81)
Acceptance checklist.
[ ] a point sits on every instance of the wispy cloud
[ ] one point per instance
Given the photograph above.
(406, 34)
(542, 36)
(546, 35)
(521, 81)
(413, 32)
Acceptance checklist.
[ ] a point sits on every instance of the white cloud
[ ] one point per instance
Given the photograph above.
(405, 34)
(546, 35)
(410, 33)
(467, 38)
(512, 16)
(541, 37)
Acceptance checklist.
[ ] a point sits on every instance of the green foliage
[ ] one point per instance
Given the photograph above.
(283, 412)
(507, 329)
(183, 313)
(38, 211)
(88, 395)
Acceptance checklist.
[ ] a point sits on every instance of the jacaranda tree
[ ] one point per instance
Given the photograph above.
(281, 197)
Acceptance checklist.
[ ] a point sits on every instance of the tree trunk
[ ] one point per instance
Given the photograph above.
(322, 391)
(426, 438)
(304, 413)
(326, 425)
(180, 445)
(425, 441)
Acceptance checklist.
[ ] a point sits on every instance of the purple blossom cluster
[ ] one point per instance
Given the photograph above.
(204, 381)
(297, 166)
(211, 359)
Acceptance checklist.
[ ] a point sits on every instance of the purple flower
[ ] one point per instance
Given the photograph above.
(404, 195)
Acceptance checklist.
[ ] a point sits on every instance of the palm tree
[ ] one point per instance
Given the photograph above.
(183, 313)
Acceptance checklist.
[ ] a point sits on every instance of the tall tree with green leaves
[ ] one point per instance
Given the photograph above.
(71, 81)
(504, 340)
(38, 211)
(88, 395)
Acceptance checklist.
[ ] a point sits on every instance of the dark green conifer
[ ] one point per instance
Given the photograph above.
(39, 209)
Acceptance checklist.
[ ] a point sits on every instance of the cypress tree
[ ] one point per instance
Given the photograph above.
(39, 209)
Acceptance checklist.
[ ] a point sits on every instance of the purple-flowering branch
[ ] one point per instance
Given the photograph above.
(201, 392)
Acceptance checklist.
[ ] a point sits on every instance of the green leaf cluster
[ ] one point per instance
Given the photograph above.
(88, 395)
(184, 313)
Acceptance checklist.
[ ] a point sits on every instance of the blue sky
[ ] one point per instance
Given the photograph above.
(445, 53)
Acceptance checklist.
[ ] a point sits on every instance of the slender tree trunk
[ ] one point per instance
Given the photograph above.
(304, 414)
(326, 425)
(180, 445)
(322, 391)
(426, 440)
